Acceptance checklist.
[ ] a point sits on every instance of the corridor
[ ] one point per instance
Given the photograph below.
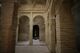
(39, 26)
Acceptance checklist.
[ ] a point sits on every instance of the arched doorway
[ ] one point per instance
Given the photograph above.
(38, 21)
(23, 31)
(35, 32)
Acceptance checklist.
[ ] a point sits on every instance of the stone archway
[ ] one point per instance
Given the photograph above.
(39, 20)
(23, 32)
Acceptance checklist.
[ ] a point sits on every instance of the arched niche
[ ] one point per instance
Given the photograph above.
(23, 31)
(39, 20)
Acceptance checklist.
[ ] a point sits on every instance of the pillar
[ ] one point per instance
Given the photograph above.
(58, 39)
(50, 32)
(31, 31)
(46, 29)
(17, 28)
(53, 35)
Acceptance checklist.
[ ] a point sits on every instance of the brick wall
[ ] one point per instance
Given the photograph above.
(67, 31)
(6, 25)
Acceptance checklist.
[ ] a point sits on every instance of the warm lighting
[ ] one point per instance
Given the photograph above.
(0, 5)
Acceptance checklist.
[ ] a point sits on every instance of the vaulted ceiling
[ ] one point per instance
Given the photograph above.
(39, 4)
(42, 2)
(34, 4)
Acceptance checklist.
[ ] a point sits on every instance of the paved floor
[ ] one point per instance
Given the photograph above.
(38, 47)
(35, 42)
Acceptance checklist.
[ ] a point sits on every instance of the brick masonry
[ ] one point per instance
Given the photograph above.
(67, 34)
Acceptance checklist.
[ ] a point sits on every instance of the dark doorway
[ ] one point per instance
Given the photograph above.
(35, 32)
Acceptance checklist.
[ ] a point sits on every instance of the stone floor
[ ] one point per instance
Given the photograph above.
(38, 47)
(35, 42)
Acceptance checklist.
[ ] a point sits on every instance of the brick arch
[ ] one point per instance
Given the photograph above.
(23, 32)
(39, 20)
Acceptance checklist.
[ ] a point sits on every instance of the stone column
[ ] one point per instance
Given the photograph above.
(6, 30)
(50, 32)
(58, 40)
(17, 30)
(46, 29)
(53, 35)
(31, 30)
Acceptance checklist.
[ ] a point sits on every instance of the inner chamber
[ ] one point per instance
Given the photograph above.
(35, 32)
